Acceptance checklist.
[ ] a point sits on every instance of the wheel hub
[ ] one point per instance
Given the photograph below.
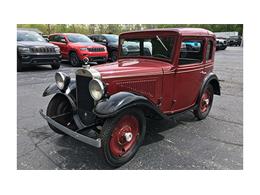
(128, 136)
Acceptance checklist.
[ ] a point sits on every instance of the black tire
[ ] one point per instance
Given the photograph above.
(113, 56)
(199, 112)
(74, 59)
(55, 66)
(58, 105)
(19, 65)
(106, 136)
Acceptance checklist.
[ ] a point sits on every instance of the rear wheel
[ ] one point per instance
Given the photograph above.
(204, 103)
(122, 136)
(60, 110)
(74, 59)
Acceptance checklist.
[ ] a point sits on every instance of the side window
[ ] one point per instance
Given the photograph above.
(209, 50)
(191, 52)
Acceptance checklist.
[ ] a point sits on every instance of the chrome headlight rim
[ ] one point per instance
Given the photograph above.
(57, 49)
(101, 89)
(62, 80)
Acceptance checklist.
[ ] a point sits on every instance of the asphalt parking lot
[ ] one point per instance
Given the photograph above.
(183, 143)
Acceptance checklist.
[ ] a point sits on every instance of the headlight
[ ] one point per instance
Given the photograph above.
(96, 89)
(57, 49)
(23, 49)
(62, 80)
(84, 49)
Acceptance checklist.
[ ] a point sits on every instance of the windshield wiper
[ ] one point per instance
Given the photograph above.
(158, 38)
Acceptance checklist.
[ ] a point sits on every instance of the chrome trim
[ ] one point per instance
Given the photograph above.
(89, 72)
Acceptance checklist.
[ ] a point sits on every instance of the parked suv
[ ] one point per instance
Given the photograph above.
(221, 44)
(106, 106)
(78, 48)
(108, 40)
(33, 49)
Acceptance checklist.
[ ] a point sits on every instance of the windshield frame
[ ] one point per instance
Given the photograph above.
(149, 36)
(74, 35)
(35, 35)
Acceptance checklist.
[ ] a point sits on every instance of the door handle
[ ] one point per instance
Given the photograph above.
(203, 72)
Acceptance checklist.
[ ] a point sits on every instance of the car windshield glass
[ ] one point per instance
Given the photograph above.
(112, 38)
(29, 36)
(157, 47)
(78, 38)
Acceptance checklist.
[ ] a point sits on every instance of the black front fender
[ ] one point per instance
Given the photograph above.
(118, 102)
(53, 89)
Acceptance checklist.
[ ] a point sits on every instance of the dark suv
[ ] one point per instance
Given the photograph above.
(33, 49)
(110, 41)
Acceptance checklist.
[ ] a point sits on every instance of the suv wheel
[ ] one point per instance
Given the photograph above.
(55, 66)
(204, 103)
(113, 56)
(122, 136)
(74, 60)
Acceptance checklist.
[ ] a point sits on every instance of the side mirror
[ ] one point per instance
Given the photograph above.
(47, 39)
(63, 41)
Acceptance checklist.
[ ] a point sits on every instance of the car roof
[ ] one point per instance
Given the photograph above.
(66, 34)
(180, 31)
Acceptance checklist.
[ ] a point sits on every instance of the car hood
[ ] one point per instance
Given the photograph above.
(130, 68)
(85, 44)
(34, 43)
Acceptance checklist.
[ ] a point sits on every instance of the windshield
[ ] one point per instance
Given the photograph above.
(29, 36)
(76, 38)
(157, 47)
(112, 38)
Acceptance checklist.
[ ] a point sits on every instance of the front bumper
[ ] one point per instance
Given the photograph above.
(34, 59)
(83, 138)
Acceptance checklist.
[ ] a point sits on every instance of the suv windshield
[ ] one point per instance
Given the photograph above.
(112, 38)
(78, 38)
(157, 47)
(29, 36)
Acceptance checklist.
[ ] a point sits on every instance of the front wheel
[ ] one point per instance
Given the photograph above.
(122, 136)
(204, 103)
(55, 66)
(74, 59)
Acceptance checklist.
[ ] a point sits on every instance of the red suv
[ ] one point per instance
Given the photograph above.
(78, 48)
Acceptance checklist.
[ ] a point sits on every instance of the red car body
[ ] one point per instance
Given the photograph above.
(158, 73)
(94, 52)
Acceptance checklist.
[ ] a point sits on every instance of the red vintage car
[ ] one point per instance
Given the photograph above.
(78, 48)
(158, 73)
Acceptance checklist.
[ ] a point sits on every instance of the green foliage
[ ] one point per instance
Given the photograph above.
(118, 28)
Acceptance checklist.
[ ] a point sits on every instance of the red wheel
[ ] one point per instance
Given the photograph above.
(122, 136)
(204, 103)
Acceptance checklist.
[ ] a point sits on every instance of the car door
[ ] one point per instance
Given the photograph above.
(189, 72)
(56, 40)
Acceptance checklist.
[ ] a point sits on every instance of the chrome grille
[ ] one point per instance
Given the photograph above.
(96, 49)
(42, 50)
